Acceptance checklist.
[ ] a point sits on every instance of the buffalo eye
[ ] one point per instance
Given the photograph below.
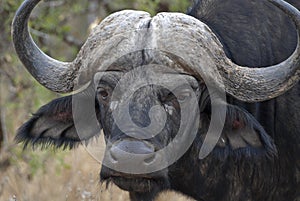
(103, 93)
(184, 95)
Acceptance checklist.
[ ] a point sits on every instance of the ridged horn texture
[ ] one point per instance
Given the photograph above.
(264, 83)
(55, 75)
(197, 44)
(171, 33)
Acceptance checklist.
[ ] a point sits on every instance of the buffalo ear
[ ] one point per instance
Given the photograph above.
(53, 125)
(243, 136)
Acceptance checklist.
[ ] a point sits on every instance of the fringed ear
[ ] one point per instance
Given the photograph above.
(243, 136)
(53, 125)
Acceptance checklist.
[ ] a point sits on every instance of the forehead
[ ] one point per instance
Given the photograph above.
(144, 68)
(146, 75)
(155, 60)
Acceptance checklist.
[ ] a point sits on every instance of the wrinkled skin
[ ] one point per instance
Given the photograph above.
(244, 146)
(254, 146)
(257, 155)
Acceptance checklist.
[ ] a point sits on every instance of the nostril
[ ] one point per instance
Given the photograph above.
(123, 149)
(149, 159)
(133, 146)
(113, 157)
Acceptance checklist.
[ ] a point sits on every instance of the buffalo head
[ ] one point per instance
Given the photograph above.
(145, 81)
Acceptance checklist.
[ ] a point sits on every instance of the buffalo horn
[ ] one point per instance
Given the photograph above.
(55, 75)
(264, 83)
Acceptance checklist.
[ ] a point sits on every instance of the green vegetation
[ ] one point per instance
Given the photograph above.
(59, 27)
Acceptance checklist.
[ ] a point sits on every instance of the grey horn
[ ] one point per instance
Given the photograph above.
(55, 75)
(244, 83)
(264, 83)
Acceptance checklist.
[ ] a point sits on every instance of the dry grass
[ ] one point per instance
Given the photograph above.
(74, 179)
(47, 176)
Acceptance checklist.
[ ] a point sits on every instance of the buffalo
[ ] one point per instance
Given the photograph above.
(205, 103)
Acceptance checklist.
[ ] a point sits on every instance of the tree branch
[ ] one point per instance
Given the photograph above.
(8, 76)
(67, 38)
(72, 41)
(1, 130)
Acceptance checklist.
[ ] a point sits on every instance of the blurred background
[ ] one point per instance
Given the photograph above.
(59, 27)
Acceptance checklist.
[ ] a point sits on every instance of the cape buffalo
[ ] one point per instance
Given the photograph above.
(205, 103)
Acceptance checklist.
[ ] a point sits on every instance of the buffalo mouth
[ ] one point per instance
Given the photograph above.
(135, 183)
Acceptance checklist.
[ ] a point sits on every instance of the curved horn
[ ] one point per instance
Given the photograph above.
(55, 75)
(195, 42)
(259, 84)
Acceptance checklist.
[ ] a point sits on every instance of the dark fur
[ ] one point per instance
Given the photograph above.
(53, 125)
(254, 33)
(57, 112)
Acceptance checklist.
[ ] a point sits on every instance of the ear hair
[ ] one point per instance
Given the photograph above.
(243, 136)
(53, 125)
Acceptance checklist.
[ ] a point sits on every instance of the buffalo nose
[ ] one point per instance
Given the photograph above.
(121, 150)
